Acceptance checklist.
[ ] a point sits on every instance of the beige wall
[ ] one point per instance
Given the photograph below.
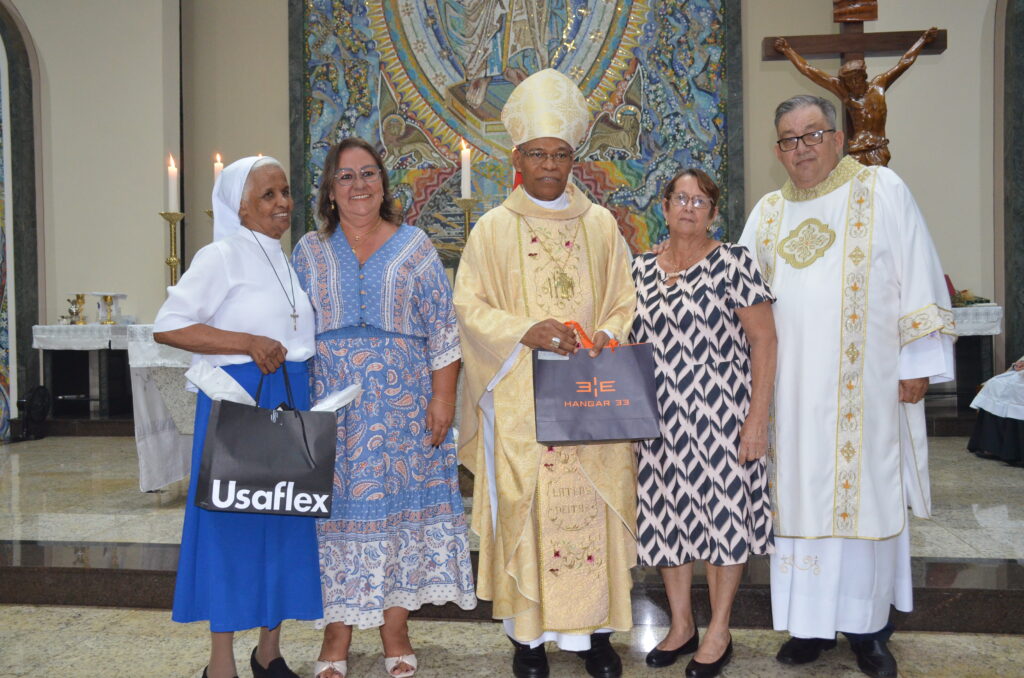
(108, 123)
(109, 107)
(235, 88)
(940, 116)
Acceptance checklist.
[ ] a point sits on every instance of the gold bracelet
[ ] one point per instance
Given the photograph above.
(442, 401)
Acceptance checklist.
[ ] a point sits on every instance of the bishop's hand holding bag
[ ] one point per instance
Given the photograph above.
(579, 399)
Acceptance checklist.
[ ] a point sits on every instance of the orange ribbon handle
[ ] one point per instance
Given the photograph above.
(584, 338)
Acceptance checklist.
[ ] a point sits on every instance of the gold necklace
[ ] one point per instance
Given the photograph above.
(561, 284)
(368, 232)
(692, 259)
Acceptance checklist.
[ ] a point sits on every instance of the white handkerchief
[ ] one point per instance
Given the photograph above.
(335, 400)
(217, 384)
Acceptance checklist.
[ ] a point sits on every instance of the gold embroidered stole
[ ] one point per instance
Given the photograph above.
(804, 245)
(768, 224)
(768, 234)
(570, 516)
(573, 546)
(860, 222)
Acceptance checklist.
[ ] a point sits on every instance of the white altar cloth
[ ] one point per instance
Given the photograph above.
(980, 319)
(79, 337)
(164, 410)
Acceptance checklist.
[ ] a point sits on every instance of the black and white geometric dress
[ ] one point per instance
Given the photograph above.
(695, 502)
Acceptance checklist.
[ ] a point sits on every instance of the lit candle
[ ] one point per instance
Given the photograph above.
(218, 167)
(172, 184)
(467, 175)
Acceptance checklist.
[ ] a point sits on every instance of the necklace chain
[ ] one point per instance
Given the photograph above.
(367, 233)
(291, 281)
(679, 269)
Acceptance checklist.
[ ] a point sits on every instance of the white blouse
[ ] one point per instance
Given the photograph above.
(230, 285)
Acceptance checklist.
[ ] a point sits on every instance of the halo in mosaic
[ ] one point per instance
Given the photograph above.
(416, 77)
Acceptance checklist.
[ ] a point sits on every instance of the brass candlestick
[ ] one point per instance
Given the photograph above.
(172, 261)
(467, 205)
(208, 213)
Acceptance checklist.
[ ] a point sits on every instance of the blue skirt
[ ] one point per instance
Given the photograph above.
(242, 570)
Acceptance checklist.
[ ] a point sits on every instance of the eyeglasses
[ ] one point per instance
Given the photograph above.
(539, 157)
(809, 139)
(696, 201)
(345, 176)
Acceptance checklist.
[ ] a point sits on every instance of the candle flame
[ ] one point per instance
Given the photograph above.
(170, 162)
(464, 146)
(218, 158)
(259, 155)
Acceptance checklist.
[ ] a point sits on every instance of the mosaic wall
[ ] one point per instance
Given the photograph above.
(415, 77)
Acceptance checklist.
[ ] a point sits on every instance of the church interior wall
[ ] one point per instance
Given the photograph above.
(235, 92)
(107, 124)
(108, 93)
(940, 116)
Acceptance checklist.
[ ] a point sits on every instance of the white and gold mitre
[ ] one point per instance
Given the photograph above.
(546, 104)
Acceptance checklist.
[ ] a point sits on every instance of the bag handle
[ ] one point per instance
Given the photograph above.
(291, 403)
(287, 387)
(584, 338)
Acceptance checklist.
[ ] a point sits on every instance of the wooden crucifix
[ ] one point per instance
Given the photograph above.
(863, 98)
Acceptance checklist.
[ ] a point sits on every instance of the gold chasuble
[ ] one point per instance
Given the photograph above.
(557, 554)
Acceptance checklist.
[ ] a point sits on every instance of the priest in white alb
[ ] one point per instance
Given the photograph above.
(864, 324)
(557, 525)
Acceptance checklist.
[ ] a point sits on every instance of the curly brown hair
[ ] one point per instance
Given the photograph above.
(326, 211)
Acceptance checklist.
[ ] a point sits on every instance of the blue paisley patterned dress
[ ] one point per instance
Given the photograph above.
(397, 536)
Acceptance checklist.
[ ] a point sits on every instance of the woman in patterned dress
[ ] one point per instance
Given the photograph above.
(702, 485)
(397, 537)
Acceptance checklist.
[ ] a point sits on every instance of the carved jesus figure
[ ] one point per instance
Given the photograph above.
(863, 100)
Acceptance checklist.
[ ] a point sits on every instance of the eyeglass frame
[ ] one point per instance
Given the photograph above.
(677, 199)
(804, 137)
(539, 157)
(370, 174)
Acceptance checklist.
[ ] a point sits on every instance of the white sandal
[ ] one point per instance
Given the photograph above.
(391, 662)
(339, 665)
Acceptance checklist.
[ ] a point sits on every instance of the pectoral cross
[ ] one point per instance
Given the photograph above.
(295, 320)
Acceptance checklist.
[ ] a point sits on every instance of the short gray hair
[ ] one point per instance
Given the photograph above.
(262, 162)
(802, 100)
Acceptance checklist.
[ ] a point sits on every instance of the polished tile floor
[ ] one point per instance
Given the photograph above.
(86, 489)
(122, 643)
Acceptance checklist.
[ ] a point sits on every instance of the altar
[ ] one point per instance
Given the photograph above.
(164, 408)
(116, 356)
(93, 384)
(975, 327)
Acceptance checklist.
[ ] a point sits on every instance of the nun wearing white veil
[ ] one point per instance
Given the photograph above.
(239, 306)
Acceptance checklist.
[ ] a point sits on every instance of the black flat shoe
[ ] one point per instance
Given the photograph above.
(696, 669)
(275, 669)
(529, 662)
(660, 658)
(204, 672)
(803, 650)
(874, 658)
(602, 661)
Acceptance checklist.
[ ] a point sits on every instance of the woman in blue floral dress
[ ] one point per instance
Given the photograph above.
(397, 537)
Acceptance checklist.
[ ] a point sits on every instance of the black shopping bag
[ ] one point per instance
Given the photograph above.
(579, 399)
(274, 461)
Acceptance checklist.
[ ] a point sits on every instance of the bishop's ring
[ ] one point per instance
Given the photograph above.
(555, 341)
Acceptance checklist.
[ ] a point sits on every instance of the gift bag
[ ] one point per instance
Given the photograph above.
(579, 399)
(259, 460)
